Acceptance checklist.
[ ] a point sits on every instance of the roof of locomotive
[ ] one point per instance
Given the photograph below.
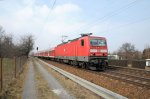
(80, 38)
(97, 37)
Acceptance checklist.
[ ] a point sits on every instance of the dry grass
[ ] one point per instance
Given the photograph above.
(14, 89)
(8, 71)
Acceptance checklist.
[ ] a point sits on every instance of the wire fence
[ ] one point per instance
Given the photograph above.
(10, 68)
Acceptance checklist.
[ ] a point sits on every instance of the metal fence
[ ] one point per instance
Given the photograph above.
(129, 63)
(10, 68)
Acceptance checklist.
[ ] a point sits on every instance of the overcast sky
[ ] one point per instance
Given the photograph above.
(119, 21)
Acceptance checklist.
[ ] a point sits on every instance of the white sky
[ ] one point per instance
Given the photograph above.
(119, 21)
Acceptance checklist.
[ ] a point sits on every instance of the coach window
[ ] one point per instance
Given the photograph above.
(82, 42)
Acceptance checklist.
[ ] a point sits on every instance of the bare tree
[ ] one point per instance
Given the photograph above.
(1, 40)
(146, 52)
(128, 51)
(9, 49)
(27, 43)
(7, 46)
(137, 55)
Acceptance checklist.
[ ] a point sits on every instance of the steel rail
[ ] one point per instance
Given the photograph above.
(125, 79)
(105, 93)
(137, 72)
(129, 75)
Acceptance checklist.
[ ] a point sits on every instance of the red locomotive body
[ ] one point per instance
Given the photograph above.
(86, 51)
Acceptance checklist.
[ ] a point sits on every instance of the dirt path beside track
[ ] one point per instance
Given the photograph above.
(29, 91)
(55, 86)
(73, 88)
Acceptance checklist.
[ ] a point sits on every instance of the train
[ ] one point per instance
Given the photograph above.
(87, 51)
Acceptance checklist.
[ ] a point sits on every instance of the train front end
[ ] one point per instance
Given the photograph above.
(98, 52)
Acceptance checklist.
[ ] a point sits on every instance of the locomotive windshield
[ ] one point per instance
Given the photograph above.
(98, 42)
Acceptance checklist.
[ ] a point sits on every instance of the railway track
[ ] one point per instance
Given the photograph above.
(136, 80)
(131, 71)
(126, 77)
(134, 76)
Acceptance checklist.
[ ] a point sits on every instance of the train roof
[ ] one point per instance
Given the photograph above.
(82, 36)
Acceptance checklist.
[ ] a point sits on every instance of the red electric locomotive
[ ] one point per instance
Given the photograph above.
(86, 51)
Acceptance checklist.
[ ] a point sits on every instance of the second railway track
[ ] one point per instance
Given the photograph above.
(137, 80)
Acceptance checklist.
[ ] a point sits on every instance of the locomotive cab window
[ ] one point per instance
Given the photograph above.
(98, 42)
(82, 42)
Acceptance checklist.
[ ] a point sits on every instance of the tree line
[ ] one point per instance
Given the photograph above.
(10, 49)
(128, 51)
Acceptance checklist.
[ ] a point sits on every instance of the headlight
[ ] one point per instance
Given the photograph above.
(93, 50)
(103, 51)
